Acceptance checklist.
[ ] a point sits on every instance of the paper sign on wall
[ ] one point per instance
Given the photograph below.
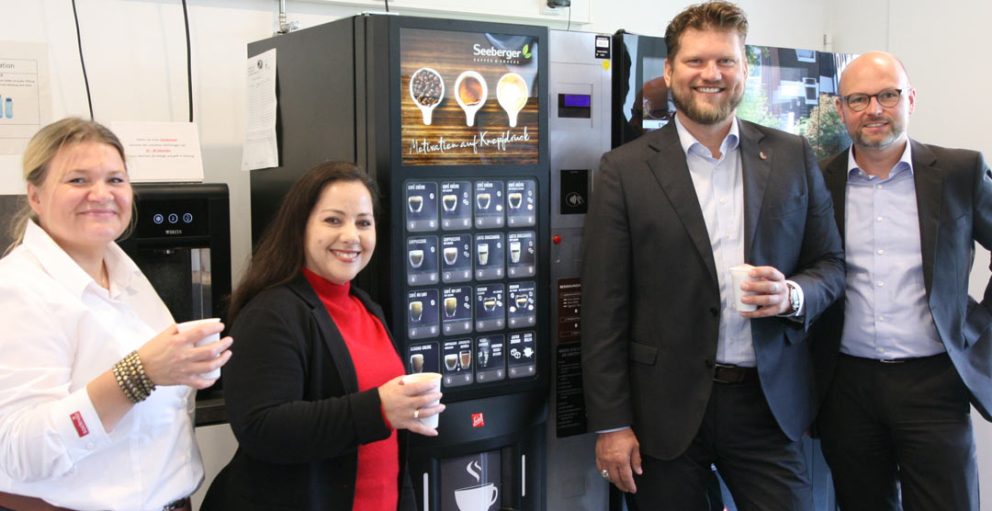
(25, 98)
(161, 151)
(261, 150)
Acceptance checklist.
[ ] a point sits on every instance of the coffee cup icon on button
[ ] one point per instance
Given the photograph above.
(483, 254)
(451, 361)
(471, 92)
(417, 362)
(450, 306)
(416, 258)
(489, 304)
(416, 203)
(416, 310)
(514, 252)
(514, 200)
(449, 202)
(427, 90)
(483, 200)
(450, 255)
(484, 352)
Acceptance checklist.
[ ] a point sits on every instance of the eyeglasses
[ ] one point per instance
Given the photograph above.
(887, 98)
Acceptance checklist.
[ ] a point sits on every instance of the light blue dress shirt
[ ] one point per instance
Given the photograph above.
(719, 187)
(886, 314)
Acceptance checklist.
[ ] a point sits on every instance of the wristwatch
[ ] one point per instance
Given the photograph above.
(795, 299)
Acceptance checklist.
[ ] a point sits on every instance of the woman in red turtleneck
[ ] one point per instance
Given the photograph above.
(314, 392)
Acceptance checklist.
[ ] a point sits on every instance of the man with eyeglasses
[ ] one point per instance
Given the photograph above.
(900, 358)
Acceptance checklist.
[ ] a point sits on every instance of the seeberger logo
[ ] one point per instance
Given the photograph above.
(495, 55)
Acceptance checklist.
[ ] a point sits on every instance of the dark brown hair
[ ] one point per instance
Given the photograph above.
(717, 15)
(279, 256)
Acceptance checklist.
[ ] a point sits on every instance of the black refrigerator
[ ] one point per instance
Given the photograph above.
(787, 88)
(450, 119)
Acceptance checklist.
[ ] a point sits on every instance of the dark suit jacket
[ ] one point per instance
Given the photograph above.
(293, 401)
(651, 299)
(954, 198)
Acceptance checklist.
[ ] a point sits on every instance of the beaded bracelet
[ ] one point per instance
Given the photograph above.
(131, 378)
(146, 383)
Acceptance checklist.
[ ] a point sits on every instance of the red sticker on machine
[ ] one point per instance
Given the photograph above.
(79, 424)
(478, 420)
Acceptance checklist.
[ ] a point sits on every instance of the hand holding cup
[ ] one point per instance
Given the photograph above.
(765, 290)
(413, 402)
(186, 356)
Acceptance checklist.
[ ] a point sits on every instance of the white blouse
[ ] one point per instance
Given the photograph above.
(58, 331)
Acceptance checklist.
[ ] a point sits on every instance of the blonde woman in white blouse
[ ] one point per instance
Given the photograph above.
(96, 383)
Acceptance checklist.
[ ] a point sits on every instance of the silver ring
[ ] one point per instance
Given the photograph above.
(605, 473)
(416, 413)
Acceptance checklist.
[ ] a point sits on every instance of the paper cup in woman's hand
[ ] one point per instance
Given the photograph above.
(212, 338)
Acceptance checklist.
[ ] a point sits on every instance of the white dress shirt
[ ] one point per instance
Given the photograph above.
(886, 309)
(60, 330)
(719, 188)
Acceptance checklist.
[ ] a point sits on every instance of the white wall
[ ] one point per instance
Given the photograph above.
(135, 56)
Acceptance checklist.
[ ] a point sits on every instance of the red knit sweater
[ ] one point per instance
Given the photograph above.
(376, 362)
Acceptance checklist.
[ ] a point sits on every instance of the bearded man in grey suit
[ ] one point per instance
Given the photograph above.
(899, 360)
(676, 377)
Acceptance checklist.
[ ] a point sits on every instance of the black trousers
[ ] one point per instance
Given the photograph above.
(762, 468)
(900, 432)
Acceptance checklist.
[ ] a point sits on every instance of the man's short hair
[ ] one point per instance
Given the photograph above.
(716, 15)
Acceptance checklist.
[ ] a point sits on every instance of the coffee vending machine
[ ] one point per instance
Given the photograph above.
(579, 123)
(451, 119)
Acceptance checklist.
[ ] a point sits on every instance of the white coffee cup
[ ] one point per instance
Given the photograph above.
(435, 379)
(739, 276)
(514, 251)
(483, 250)
(450, 255)
(417, 362)
(416, 258)
(190, 325)
(480, 497)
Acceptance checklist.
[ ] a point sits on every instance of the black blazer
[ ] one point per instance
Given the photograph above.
(293, 402)
(954, 199)
(651, 299)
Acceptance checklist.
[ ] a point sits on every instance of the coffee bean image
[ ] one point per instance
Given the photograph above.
(426, 87)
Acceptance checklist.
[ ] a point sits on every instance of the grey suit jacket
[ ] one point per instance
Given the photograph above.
(954, 198)
(651, 301)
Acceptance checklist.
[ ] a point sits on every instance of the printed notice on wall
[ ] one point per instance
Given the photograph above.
(25, 97)
(161, 151)
(261, 149)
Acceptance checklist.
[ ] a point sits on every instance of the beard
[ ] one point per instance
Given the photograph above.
(706, 114)
(896, 130)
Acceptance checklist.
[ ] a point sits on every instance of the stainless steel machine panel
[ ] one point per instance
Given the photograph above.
(579, 128)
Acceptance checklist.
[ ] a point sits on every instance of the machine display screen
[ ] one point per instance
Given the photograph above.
(468, 98)
(575, 106)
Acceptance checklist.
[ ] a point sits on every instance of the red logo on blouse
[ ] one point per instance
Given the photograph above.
(79, 424)
(478, 420)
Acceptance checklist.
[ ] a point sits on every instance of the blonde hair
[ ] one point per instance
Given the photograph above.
(40, 152)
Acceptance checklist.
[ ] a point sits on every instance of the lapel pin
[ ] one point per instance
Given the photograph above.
(762, 155)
